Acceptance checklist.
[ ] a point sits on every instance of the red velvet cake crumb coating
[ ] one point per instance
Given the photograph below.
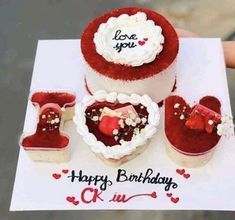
(123, 72)
(183, 138)
(63, 99)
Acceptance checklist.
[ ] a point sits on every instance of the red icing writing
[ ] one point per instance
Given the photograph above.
(89, 195)
(123, 198)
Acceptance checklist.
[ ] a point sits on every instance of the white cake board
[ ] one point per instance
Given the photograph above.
(201, 71)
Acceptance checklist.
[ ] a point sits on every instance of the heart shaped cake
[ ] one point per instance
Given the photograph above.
(192, 130)
(117, 127)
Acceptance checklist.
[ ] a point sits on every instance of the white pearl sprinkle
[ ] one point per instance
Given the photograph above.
(210, 122)
(132, 116)
(133, 124)
(121, 141)
(115, 138)
(181, 117)
(43, 116)
(95, 118)
(57, 120)
(52, 122)
(128, 121)
(141, 106)
(138, 120)
(177, 105)
(175, 113)
(44, 129)
(115, 131)
(144, 120)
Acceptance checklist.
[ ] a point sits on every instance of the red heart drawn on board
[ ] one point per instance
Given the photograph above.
(180, 172)
(145, 39)
(186, 175)
(141, 43)
(56, 176)
(153, 195)
(75, 202)
(65, 171)
(70, 198)
(169, 194)
(175, 200)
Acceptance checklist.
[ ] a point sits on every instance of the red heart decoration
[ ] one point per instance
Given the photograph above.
(186, 175)
(56, 176)
(145, 39)
(65, 171)
(141, 43)
(154, 195)
(75, 202)
(108, 124)
(175, 200)
(169, 194)
(180, 172)
(179, 135)
(70, 198)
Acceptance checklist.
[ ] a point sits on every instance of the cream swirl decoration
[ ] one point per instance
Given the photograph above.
(129, 39)
(127, 147)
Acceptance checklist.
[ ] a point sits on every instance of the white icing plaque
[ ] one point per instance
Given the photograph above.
(129, 40)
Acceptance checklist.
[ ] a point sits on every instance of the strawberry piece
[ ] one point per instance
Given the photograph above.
(108, 124)
(195, 122)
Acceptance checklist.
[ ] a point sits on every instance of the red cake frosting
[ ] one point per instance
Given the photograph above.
(63, 99)
(187, 133)
(47, 133)
(124, 72)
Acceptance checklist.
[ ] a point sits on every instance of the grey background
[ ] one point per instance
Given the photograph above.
(23, 22)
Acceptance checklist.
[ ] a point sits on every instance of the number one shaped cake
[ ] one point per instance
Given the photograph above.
(131, 50)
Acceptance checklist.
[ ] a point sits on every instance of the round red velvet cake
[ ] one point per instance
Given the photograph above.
(131, 50)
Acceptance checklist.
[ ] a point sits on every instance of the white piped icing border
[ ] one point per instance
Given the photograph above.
(131, 40)
(127, 147)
